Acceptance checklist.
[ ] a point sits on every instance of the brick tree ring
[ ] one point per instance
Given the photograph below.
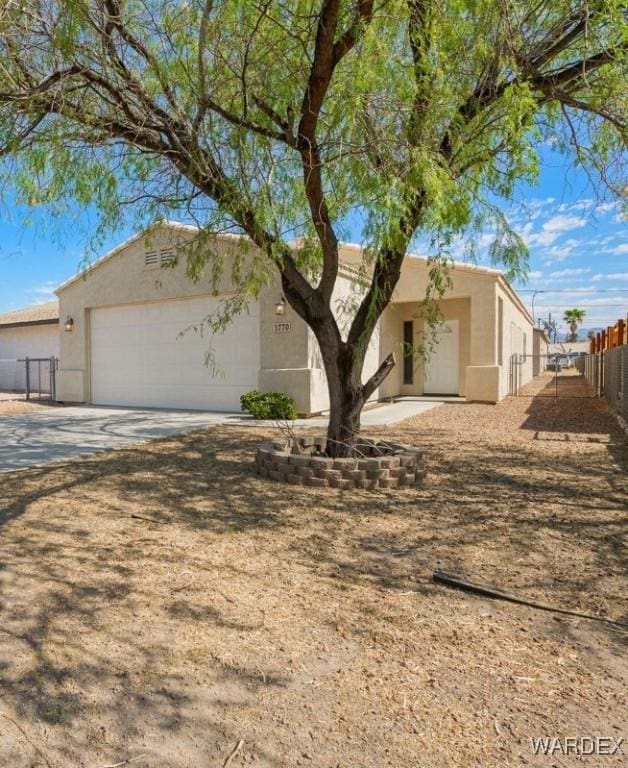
(379, 464)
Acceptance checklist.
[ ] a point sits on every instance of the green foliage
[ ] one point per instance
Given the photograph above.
(385, 117)
(429, 115)
(269, 405)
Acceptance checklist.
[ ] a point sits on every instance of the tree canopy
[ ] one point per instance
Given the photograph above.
(281, 118)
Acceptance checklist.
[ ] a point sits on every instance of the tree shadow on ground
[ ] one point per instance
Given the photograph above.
(137, 586)
(63, 581)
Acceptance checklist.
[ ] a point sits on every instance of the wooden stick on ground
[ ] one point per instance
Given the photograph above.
(149, 519)
(125, 762)
(233, 753)
(457, 582)
(28, 739)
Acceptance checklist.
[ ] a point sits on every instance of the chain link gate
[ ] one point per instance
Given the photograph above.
(41, 378)
(31, 378)
(555, 375)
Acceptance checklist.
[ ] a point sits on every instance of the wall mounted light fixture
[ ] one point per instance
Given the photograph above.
(69, 324)
(280, 306)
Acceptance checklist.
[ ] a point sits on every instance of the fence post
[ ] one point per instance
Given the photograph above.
(53, 384)
(28, 378)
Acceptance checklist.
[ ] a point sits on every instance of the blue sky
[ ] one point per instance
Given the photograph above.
(578, 249)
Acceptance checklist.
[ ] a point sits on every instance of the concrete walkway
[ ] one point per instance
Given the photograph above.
(50, 435)
(46, 436)
(383, 415)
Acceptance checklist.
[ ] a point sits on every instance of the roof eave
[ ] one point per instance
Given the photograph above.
(27, 323)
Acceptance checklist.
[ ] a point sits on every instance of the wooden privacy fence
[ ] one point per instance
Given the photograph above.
(611, 337)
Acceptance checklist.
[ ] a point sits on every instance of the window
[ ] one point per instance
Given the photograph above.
(408, 352)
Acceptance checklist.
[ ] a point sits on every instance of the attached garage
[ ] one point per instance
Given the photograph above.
(154, 355)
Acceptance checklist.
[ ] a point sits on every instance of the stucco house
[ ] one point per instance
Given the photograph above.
(131, 333)
(31, 332)
(136, 335)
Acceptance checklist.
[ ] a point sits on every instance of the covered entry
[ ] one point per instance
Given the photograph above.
(154, 355)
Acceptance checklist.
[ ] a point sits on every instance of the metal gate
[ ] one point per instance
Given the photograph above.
(32, 378)
(556, 375)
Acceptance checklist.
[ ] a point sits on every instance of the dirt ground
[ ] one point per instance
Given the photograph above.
(13, 403)
(163, 606)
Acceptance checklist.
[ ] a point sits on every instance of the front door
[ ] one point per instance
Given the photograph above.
(441, 367)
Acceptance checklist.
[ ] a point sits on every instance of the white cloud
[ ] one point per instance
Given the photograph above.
(618, 250)
(563, 223)
(43, 293)
(560, 252)
(606, 207)
(569, 273)
(578, 205)
(614, 276)
(553, 228)
(536, 202)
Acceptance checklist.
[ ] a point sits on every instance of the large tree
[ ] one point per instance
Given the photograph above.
(281, 118)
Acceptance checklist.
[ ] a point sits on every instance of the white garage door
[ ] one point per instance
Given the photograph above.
(149, 355)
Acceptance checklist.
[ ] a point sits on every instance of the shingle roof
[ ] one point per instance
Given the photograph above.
(38, 313)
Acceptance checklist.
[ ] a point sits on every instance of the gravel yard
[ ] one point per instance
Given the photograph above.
(164, 605)
(13, 403)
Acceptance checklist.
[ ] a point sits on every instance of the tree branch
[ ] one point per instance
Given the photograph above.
(362, 16)
(378, 377)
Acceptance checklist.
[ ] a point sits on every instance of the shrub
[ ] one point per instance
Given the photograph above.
(269, 405)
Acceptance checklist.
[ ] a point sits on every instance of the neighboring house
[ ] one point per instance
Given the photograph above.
(137, 335)
(540, 347)
(572, 348)
(31, 332)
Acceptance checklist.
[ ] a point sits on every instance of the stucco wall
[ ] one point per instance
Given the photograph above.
(284, 349)
(540, 348)
(345, 299)
(20, 342)
(517, 329)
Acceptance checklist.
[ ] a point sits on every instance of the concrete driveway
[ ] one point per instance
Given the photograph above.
(46, 436)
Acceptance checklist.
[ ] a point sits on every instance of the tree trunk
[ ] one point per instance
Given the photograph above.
(347, 394)
(343, 368)
(345, 408)
(344, 360)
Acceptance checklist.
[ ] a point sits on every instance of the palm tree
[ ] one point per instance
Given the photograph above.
(574, 318)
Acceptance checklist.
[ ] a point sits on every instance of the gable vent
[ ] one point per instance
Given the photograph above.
(151, 258)
(167, 257)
